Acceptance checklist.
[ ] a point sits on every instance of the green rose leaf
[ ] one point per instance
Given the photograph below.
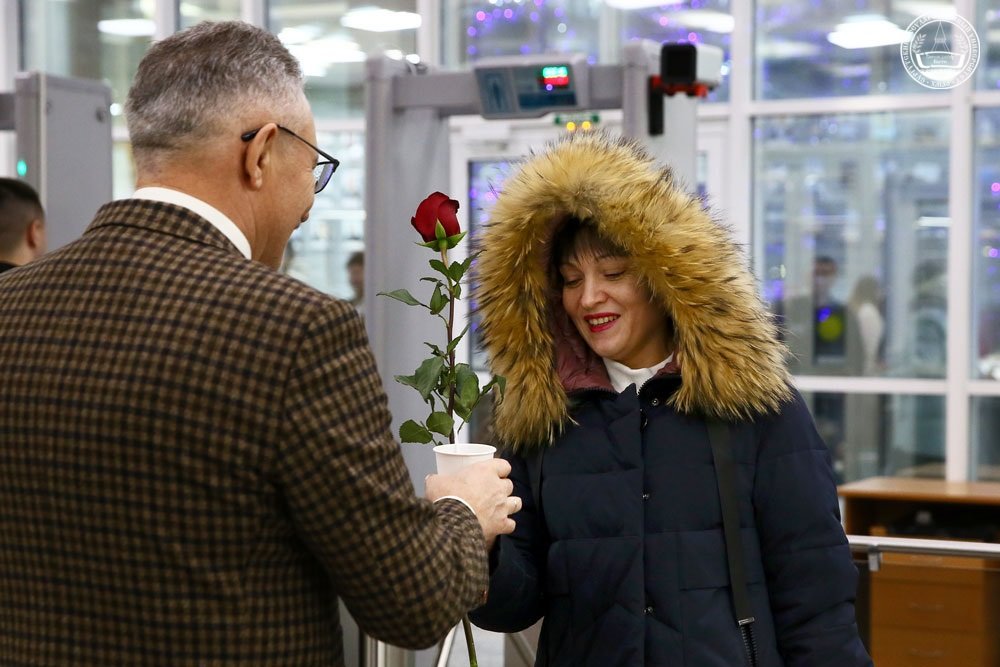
(411, 431)
(498, 381)
(402, 295)
(439, 266)
(440, 422)
(425, 380)
(454, 343)
(457, 269)
(438, 301)
(467, 390)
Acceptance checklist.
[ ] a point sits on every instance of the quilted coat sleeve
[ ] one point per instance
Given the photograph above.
(517, 565)
(407, 569)
(811, 578)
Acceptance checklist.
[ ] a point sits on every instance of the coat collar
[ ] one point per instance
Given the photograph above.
(162, 218)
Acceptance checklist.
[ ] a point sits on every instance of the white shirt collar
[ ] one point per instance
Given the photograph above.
(622, 376)
(207, 211)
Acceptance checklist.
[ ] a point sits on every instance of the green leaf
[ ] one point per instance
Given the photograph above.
(456, 290)
(428, 376)
(498, 381)
(438, 301)
(457, 269)
(411, 431)
(435, 350)
(452, 241)
(454, 343)
(402, 295)
(439, 266)
(467, 387)
(441, 422)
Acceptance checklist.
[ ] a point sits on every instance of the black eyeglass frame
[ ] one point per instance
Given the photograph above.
(327, 166)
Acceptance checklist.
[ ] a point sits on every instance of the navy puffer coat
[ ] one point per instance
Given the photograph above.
(627, 560)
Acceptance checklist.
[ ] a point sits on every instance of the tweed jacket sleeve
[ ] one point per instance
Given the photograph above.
(811, 578)
(407, 569)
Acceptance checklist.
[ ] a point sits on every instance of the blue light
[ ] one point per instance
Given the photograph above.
(22, 168)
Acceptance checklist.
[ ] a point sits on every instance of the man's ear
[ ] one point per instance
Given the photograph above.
(35, 236)
(259, 155)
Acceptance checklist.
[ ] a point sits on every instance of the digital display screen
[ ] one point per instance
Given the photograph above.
(552, 77)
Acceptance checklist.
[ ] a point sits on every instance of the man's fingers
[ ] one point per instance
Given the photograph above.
(514, 503)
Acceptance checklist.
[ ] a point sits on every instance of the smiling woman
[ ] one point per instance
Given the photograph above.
(614, 439)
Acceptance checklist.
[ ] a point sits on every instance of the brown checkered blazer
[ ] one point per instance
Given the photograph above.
(195, 463)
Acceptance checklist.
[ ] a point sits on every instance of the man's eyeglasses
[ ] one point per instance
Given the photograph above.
(324, 168)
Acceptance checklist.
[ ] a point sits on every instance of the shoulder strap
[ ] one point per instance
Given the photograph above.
(725, 471)
(535, 479)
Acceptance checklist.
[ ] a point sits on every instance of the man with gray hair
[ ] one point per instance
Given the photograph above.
(195, 455)
(22, 224)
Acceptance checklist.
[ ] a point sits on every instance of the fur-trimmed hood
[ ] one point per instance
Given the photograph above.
(732, 364)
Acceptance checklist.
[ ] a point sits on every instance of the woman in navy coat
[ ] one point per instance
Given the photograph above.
(625, 321)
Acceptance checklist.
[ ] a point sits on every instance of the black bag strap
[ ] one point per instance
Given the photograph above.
(725, 472)
(535, 479)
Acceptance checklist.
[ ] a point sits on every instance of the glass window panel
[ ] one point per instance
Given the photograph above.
(485, 177)
(696, 21)
(986, 247)
(98, 40)
(881, 434)
(829, 48)
(332, 39)
(851, 226)
(985, 444)
(193, 12)
(988, 28)
(318, 250)
(474, 30)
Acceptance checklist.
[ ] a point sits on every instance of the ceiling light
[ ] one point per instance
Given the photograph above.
(376, 19)
(867, 31)
(316, 56)
(127, 27)
(704, 19)
(640, 4)
(299, 34)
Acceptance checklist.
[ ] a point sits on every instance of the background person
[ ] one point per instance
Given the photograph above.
(196, 461)
(356, 277)
(630, 323)
(22, 224)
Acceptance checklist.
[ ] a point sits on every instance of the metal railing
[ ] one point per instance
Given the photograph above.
(876, 546)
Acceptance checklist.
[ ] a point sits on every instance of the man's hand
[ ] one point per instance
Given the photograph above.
(486, 488)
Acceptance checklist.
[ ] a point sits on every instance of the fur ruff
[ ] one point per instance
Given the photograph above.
(732, 362)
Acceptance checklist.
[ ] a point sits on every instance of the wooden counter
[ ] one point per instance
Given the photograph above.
(930, 610)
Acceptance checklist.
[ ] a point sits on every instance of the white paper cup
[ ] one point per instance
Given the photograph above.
(452, 458)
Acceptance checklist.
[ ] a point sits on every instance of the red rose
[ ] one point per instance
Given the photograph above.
(436, 207)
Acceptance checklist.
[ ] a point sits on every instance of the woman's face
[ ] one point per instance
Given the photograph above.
(613, 312)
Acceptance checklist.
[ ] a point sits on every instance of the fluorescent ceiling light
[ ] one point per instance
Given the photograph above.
(933, 221)
(867, 31)
(704, 19)
(376, 19)
(299, 34)
(127, 27)
(316, 56)
(640, 4)
(779, 49)
(933, 8)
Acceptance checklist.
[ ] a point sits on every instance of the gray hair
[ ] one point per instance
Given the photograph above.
(193, 84)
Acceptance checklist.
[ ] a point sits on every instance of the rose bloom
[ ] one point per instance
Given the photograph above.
(436, 207)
